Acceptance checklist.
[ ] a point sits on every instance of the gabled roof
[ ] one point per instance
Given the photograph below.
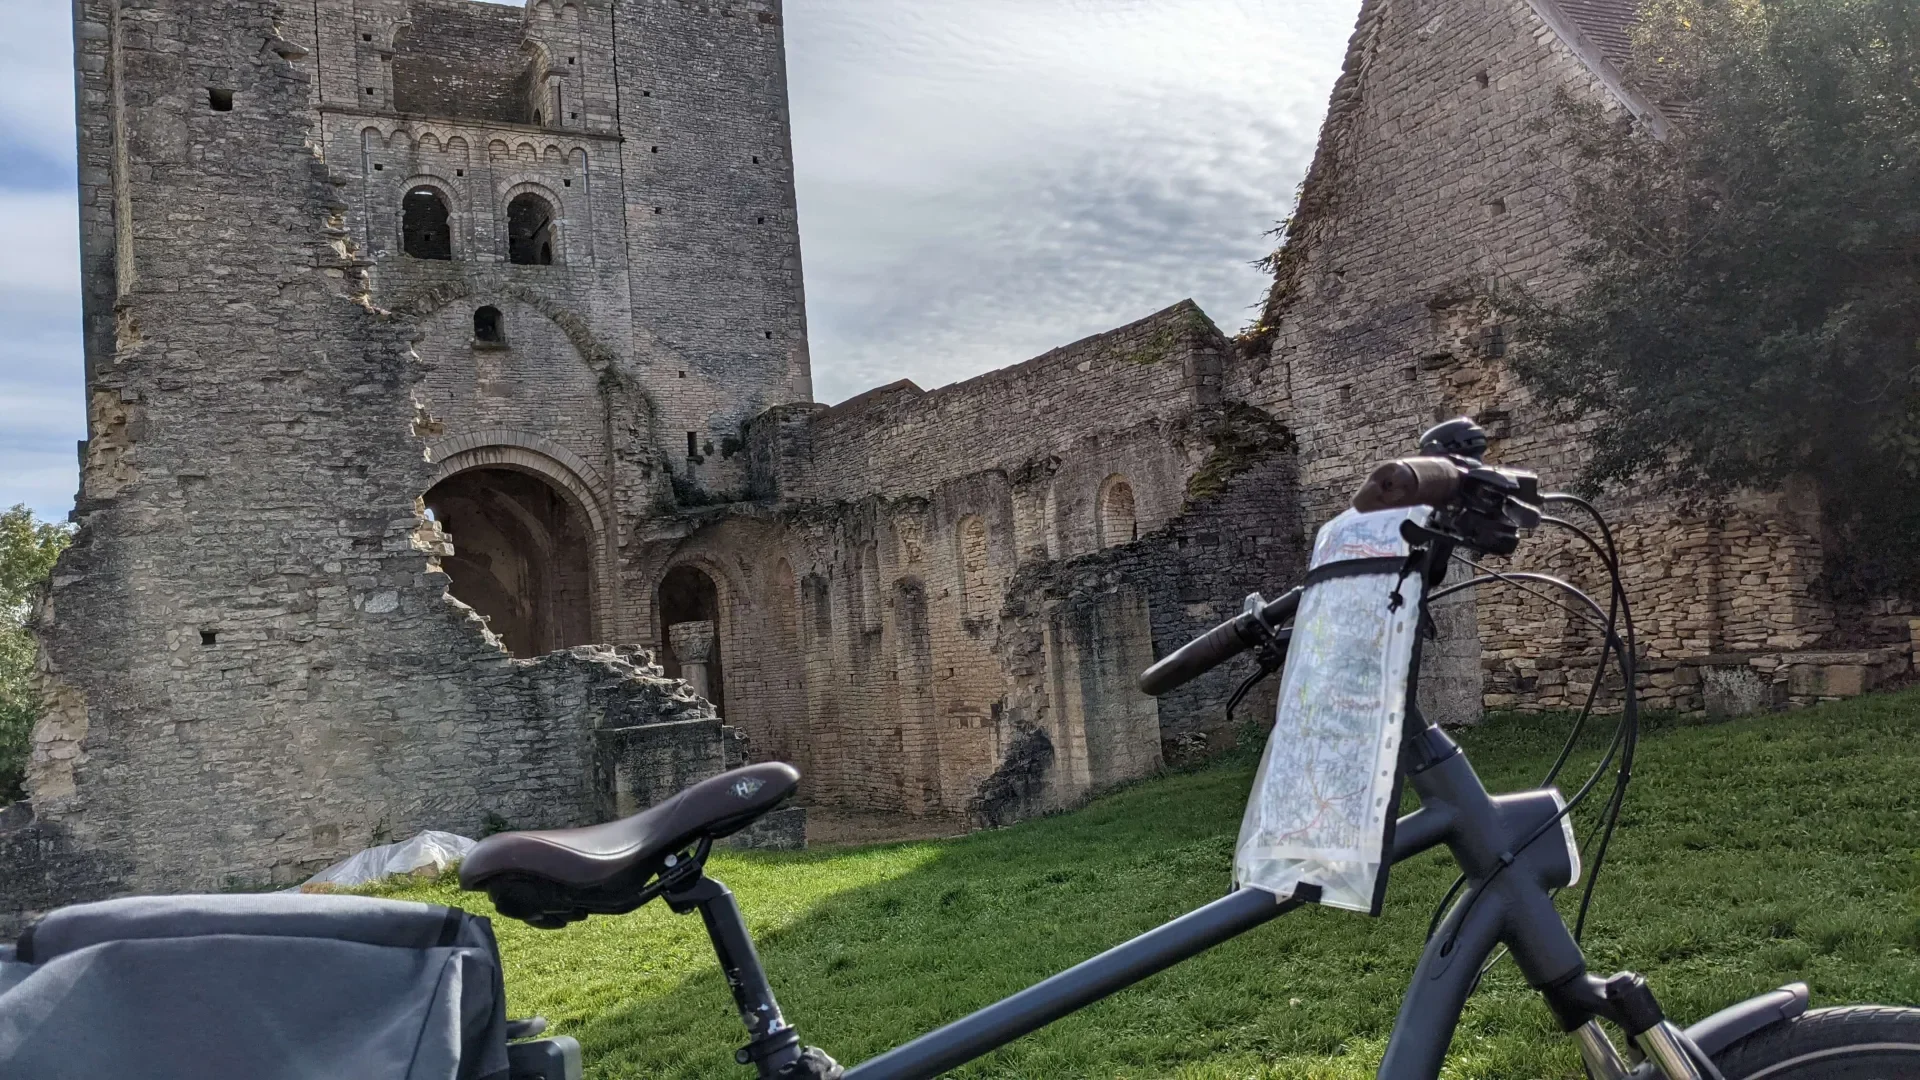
(1606, 23)
(1600, 33)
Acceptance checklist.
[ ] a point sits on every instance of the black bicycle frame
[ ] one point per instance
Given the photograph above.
(1508, 901)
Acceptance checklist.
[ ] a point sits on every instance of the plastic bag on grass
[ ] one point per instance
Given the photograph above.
(426, 855)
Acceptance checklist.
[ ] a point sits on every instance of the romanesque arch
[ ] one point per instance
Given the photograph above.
(533, 230)
(546, 540)
(694, 617)
(598, 357)
(426, 223)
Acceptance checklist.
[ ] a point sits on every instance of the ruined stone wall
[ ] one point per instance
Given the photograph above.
(1439, 179)
(719, 324)
(250, 662)
(455, 58)
(975, 575)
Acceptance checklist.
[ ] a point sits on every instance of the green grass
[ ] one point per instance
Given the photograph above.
(1751, 854)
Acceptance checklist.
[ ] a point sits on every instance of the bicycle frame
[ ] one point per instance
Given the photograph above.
(1515, 908)
(1508, 901)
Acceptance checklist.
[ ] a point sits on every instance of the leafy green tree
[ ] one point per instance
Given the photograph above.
(1751, 306)
(27, 551)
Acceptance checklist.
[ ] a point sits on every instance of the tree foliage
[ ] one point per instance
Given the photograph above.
(27, 551)
(1751, 306)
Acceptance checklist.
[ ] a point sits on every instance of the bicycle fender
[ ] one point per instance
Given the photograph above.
(1737, 1021)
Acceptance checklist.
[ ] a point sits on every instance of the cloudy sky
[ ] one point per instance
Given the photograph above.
(979, 181)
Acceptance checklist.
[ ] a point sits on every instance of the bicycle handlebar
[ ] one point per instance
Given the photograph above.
(1433, 481)
(1416, 481)
(1247, 630)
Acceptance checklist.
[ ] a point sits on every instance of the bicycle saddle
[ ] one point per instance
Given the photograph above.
(558, 876)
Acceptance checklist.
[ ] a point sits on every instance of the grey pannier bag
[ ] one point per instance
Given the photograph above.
(261, 987)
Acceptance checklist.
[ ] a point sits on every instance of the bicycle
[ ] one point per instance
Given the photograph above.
(1515, 852)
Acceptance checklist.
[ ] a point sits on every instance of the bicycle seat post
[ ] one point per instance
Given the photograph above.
(774, 1049)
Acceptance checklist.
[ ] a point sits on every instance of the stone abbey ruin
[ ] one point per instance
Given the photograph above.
(453, 463)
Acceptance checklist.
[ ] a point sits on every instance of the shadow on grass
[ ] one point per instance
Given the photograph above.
(1751, 854)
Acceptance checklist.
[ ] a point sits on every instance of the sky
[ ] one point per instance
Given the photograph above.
(978, 181)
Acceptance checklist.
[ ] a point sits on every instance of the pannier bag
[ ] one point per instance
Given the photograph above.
(260, 987)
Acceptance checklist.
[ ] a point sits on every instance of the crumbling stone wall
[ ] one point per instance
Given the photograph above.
(968, 625)
(1438, 180)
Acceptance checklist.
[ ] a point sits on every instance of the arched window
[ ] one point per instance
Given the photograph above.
(486, 326)
(530, 230)
(1117, 522)
(424, 228)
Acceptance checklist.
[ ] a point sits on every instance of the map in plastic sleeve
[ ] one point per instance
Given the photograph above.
(1318, 811)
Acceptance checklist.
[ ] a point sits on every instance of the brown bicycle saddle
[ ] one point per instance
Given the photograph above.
(557, 876)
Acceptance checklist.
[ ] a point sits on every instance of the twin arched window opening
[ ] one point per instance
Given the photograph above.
(426, 228)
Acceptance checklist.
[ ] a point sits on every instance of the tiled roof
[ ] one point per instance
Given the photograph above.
(1606, 23)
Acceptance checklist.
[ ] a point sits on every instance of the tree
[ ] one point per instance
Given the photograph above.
(27, 551)
(1751, 302)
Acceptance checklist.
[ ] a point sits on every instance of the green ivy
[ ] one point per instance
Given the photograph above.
(28, 549)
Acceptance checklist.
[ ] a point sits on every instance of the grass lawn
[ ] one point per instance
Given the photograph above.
(1751, 854)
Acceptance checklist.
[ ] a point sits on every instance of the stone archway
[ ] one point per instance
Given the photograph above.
(522, 557)
(573, 481)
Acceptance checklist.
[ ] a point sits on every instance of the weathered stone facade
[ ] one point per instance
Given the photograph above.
(251, 663)
(431, 342)
(1439, 178)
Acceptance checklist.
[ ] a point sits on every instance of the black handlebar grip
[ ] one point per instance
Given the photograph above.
(1417, 481)
(1201, 655)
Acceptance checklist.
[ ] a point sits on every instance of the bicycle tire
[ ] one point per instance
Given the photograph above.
(1853, 1042)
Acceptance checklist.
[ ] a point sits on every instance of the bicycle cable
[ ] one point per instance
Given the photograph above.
(1515, 578)
(1624, 734)
(1617, 608)
(1610, 555)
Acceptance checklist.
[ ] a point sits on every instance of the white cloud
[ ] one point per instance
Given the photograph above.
(981, 181)
(47, 225)
(36, 97)
(42, 402)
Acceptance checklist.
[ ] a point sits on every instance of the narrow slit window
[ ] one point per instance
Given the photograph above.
(693, 444)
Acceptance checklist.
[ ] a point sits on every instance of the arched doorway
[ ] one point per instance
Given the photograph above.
(689, 595)
(522, 557)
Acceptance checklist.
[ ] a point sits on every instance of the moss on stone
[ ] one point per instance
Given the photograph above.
(1188, 323)
(1242, 436)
